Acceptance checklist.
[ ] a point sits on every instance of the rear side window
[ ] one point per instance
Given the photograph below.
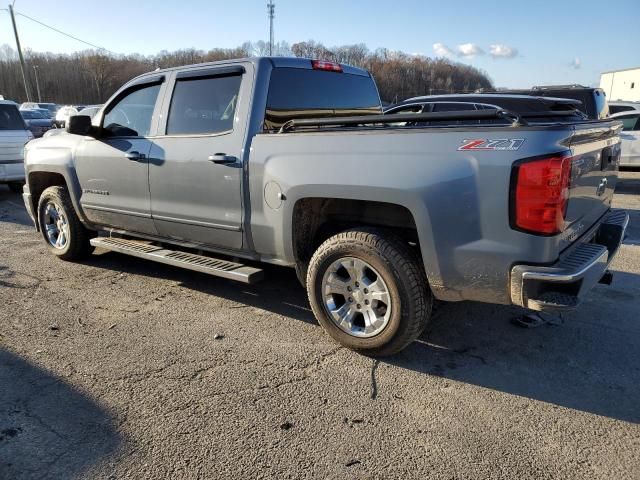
(296, 93)
(630, 123)
(452, 107)
(10, 118)
(619, 108)
(203, 105)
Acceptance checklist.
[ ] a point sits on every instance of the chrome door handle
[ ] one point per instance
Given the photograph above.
(134, 155)
(222, 159)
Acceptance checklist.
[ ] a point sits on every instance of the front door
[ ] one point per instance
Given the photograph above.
(195, 173)
(113, 169)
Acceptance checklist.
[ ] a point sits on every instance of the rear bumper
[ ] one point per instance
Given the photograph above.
(565, 283)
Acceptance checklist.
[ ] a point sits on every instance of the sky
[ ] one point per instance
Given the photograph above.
(517, 43)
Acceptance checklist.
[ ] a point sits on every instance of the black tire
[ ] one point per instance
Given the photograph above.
(401, 269)
(16, 187)
(77, 245)
(301, 272)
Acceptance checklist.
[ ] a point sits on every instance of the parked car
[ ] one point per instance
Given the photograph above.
(619, 106)
(90, 111)
(63, 115)
(593, 99)
(526, 106)
(13, 137)
(37, 122)
(216, 167)
(630, 138)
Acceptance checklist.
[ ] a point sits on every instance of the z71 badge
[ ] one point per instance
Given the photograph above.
(486, 144)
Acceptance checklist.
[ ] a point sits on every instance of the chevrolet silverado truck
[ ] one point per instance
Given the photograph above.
(221, 167)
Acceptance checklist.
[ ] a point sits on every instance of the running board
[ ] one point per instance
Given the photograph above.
(190, 261)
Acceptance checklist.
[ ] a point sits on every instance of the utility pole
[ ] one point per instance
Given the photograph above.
(22, 64)
(35, 71)
(271, 10)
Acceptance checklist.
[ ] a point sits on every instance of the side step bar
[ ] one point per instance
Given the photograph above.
(190, 261)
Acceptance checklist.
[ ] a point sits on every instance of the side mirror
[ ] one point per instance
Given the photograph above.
(79, 125)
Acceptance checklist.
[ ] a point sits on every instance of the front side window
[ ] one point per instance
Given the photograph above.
(131, 115)
(203, 105)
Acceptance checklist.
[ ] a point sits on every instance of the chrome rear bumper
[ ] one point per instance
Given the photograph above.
(564, 284)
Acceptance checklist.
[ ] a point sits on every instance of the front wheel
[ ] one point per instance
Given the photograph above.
(65, 235)
(368, 290)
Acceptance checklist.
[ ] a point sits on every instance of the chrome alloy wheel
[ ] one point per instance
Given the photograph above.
(56, 226)
(356, 297)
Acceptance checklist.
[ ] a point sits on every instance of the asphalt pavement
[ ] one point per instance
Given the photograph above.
(119, 368)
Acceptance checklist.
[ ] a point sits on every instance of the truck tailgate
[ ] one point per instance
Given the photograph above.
(594, 173)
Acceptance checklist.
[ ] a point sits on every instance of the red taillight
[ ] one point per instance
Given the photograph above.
(328, 66)
(541, 194)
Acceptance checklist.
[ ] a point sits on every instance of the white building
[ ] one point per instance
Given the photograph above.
(621, 84)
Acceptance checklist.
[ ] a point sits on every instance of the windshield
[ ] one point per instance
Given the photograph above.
(31, 115)
(10, 118)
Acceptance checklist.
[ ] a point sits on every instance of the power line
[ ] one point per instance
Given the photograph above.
(63, 33)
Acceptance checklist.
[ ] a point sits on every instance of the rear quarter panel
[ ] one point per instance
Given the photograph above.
(459, 199)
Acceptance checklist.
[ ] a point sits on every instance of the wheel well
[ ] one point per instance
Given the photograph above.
(316, 219)
(39, 181)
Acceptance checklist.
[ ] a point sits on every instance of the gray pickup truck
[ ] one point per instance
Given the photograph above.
(218, 167)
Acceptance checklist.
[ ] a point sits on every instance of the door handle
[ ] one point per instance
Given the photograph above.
(222, 159)
(134, 155)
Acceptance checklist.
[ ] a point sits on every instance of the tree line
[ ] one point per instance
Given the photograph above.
(91, 77)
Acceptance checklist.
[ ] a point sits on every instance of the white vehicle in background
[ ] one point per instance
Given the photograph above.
(90, 110)
(13, 137)
(629, 138)
(618, 106)
(63, 115)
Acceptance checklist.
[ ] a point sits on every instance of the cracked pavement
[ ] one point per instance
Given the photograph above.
(120, 368)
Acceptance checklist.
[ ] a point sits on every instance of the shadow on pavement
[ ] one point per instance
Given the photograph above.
(12, 209)
(48, 429)
(281, 293)
(628, 186)
(586, 364)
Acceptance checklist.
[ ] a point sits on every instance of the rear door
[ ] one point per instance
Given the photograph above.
(195, 176)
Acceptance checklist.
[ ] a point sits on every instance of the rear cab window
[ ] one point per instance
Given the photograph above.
(10, 118)
(296, 93)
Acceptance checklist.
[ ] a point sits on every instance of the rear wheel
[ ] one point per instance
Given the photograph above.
(369, 292)
(65, 235)
(16, 187)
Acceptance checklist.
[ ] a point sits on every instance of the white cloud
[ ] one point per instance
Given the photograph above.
(500, 50)
(441, 50)
(576, 63)
(469, 50)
